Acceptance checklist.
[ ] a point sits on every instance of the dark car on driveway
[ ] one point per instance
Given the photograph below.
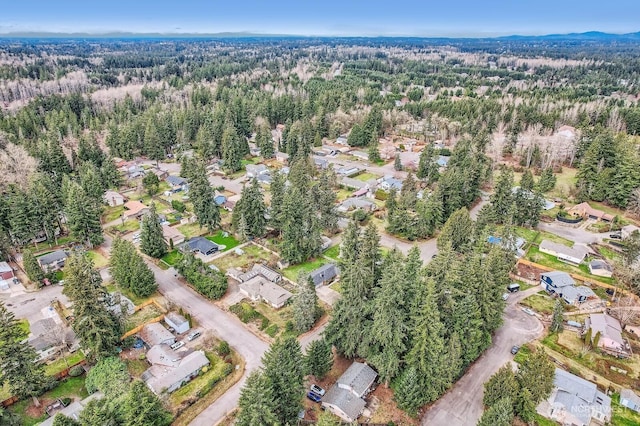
(615, 236)
(314, 396)
(515, 349)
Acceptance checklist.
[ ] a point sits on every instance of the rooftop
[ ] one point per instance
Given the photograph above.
(324, 273)
(271, 292)
(358, 377)
(176, 180)
(154, 334)
(345, 400)
(559, 278)
(159, 377)
(607, 326)
(576, 252)
(54, 256)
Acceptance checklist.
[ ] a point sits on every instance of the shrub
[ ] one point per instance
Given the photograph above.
(288, 326)
(66, 401)
(224, 349)
(381, 195)
(360, 215)
(264, 324)
(272, 330)
(178, 206)
(227, 370)
(76, 371)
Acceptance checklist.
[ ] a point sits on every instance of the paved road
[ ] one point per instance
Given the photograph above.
(578, 235)
(462, 405)
(29, 305)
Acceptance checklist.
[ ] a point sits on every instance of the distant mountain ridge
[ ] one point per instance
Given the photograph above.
(585, 36)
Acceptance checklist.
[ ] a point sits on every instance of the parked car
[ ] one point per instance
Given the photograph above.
(515, 349)
(610, 291)
(317, 389)
(615, 236)
(193, 335)
(505, 296)
(177, 345)
(314, 396)
(528, 311)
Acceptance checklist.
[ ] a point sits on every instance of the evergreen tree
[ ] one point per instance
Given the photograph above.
(32, 267)
(502, 197)
(91, 182)
(325, 199)
(300, 228)
(457, 231)
(499, 414)
(502, 384)
(152, 241)
(277, 190)
(389, 331)
(349, 246)
(21, 217)
(129, 270)
(25, 377)
(46, 205)
(202, 196)
(305, 305)
(427, 354)
(248, 217)
(62, 420)
(325, 418)
(397, 163)
(557, 319)
(143, 408)
(409, 390)
(264, 141)
(83, 216)
(319, 358)
(284, 374)
(374, 152)
(547, 180)
(97, 328)
(536, 375)
(526, 181)
(109, 174)
(427, 165)
(256, 402)
(231, 150)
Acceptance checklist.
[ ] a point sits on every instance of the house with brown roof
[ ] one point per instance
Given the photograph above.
(172, 234)
(134, 209)
(588, 212)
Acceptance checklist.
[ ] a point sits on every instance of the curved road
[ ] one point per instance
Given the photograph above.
(462, 405)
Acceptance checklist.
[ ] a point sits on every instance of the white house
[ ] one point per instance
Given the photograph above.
(575, 254)
(113, 198)
(177, 322)
(258, 288)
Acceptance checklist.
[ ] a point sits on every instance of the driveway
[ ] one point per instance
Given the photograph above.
(29, 305)
(578, 235)
(462, 405)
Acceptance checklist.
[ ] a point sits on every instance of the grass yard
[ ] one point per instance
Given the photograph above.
(112, 213)
(278, 317)
(130, 225)
(61, 363)
(336, 286)
(191, 230)
(343, 194)
(172, 257)
(136, 367)
(366, 176)
(609, 254)
(541, 303)
(534, 255)
(292, 272)
(142, 316)
(229, 242)
(622, 416)
(565, 183)
(72, 387)
(252, 254)
(213, 374)
(332, 252)
(23, 324)
(99, 261)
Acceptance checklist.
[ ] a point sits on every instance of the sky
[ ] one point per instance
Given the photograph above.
(449, 18)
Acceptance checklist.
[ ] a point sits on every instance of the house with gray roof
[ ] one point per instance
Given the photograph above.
(53, 261)
(258, 288)
(630, 399)
(610, 334)
(170, 370)
(554, 280)
(348, 171)
(389, 182)
(201, 245)
(357, 203)
(176, 321)
(352, 183)
(576, 295)
(345, 398)
(155, 334)
(320, 163)
(575, 401)
(177, 183)
(575, 254)
(324, 274)
(254, 170)
(600, 268)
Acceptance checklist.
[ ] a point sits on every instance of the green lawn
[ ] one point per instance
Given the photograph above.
(534, 255)
(366, 176)
(609, 254)
(113, 287)
(541, 303)
(622, 416)
(343, 194)
(292, 272)
(130, 225)
(61, 363)
(172, 257)
(229, 242)
(333, 252)
(112, 213)
(73, 387)
(99, 261)
(136, 367)
(337, 286)
(543, 421)
(565, 183)
(23, 324)
(214, 373)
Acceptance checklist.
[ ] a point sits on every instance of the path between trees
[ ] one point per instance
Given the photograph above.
(462, 405)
